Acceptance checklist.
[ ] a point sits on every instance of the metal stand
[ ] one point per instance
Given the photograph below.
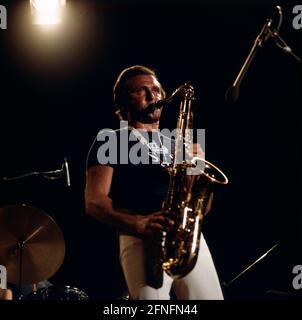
(50, 175)
(232, 94)
(20, 248)
(250, 266)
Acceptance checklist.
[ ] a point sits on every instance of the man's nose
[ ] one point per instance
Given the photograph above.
(150, 95)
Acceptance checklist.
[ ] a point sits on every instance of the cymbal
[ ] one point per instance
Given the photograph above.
(40, 238)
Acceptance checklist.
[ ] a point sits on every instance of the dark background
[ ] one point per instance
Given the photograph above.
(56, 93)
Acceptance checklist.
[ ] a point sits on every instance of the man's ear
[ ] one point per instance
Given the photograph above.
(118, 113)
(121, 113)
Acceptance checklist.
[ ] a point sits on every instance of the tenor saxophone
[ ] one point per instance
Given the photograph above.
(190, 187)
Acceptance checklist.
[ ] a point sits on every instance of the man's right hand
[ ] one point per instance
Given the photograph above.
(153, 223)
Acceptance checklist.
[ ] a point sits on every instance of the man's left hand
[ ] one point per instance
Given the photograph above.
(195, 150)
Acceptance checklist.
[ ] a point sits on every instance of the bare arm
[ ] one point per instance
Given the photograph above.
(6, 294)
(99, 205)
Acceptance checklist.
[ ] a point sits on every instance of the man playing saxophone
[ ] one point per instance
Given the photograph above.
(129, 196)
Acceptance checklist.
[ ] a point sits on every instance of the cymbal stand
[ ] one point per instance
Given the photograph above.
(20, 247)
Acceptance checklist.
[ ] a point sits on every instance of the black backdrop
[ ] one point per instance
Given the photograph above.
(55, 92)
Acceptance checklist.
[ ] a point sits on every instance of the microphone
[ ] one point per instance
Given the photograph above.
(67, 175)
(232, 94)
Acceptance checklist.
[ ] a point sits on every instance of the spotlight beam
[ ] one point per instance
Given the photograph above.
(47, 12)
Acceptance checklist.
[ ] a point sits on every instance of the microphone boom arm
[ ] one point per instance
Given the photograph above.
(50, 175)
(233, 91)
(262, 37)
(266, 32)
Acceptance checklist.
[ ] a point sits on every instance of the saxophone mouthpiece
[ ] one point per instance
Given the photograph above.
(155, 105)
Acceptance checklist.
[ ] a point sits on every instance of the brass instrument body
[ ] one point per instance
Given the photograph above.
(188, 196)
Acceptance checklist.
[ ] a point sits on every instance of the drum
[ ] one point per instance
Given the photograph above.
(58, 293)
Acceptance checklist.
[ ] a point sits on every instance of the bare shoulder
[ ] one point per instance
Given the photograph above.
(98, 180)
(98, 171)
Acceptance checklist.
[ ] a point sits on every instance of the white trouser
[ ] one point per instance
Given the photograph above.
(201, 283)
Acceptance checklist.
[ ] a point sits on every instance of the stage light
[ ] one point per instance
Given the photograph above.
(47, 12)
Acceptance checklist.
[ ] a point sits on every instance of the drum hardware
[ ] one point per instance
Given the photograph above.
(56, 292)
(32, 246)
(50, 175)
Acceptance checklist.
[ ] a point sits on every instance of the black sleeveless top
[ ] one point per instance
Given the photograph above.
(140, 178)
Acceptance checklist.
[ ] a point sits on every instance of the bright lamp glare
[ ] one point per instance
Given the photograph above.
(47, 11)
